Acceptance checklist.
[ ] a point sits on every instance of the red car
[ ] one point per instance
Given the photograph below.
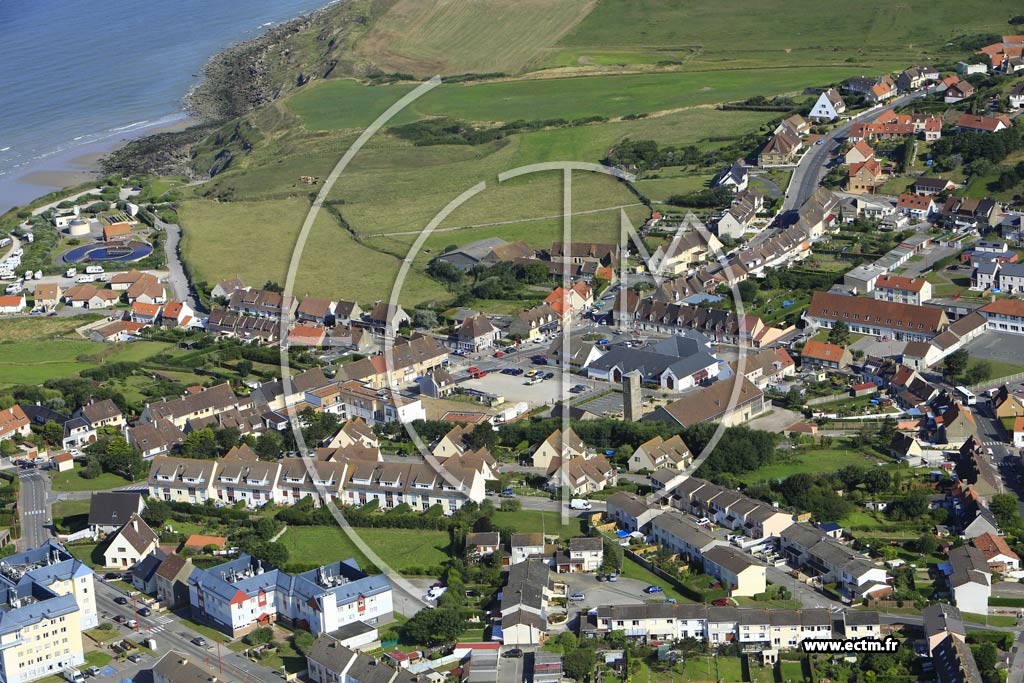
(499, 354)
(721, 602)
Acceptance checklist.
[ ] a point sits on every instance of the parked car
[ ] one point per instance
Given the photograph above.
(613, 577)
(120, 618)
(549, 375)
(144, 611)
(654, 589)
(499, 354)
(577, 597)
(135, 658)
(514, 653)
(200, 641)
(721, 602)
(121, 600)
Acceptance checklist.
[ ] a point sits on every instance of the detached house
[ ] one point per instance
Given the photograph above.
(916, 206)
(130, 544)
(657, 453)
(828, 106)
(817, 354)
(972, 123)
(865, 176)
(958, 92)
(780, 150)
(103, 413)
(14, 423)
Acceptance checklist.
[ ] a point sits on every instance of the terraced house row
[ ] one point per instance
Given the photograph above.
(351, 476)
(778, 629)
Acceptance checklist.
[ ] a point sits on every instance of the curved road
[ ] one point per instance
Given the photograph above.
(812, 166)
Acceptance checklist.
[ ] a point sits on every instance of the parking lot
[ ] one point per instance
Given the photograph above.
(998, 346)
(604, 592)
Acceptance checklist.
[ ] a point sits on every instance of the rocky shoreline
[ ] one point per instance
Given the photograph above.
(246, 76)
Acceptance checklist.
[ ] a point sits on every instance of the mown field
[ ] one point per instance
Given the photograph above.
(454, 36)
(669, 61)
(759, 33)
(400, 549)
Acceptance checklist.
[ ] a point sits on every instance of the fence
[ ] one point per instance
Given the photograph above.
(827, 399)
(998, 382)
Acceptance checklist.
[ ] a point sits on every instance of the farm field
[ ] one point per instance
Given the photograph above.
(340, 104)
(450, 36)
(400, 549)
(793, 33)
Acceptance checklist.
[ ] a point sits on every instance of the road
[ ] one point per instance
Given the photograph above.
(34, 508)
(171, 634)
(176, 278)
(812, 166)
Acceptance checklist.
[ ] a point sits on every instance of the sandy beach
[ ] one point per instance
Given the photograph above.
(75, 165)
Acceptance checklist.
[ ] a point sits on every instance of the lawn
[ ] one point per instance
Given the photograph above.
(87, 553)
(816, 461)
(527, 521)
(71, 515)
(999, 368)
(400, 549)
(71, 481)
(708, 668)
(632, 570)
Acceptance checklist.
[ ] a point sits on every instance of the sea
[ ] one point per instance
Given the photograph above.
(80, 77)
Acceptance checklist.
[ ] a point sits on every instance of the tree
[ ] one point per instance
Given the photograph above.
(114, 454)
(201, 444)
(839, 334)
(273, 553)
(956, 363)
(52, 432)
(243, 367)
(977, 373)
(579, 664)
(433, 626)
(926, 545)
(1006, 508)
(271, 286)
(424, 318)
(482, 436)
(269, 445)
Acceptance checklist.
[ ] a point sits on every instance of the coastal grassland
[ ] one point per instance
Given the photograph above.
(340, 104)
(401, 549)
(773, 32)
(426, 37)
(28, 329)
(34, 362)
(392, 190)
(255, 241)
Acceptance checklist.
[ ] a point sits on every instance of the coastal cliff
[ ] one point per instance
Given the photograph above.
(249, 75)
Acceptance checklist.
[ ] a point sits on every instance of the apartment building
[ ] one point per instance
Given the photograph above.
(242, 594)
(47, 598)
(182, 480)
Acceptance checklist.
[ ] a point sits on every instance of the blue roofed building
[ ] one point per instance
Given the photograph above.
(47, 598)
(242, 594)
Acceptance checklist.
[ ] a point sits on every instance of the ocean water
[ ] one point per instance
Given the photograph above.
(81, 75)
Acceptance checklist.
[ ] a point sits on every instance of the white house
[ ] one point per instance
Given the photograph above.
(829, 105)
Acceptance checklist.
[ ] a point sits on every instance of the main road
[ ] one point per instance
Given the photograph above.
(34, 508)
(170, 633)
(813, 164)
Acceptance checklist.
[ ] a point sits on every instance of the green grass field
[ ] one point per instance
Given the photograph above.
(37, 361)
(792, 32)
(340, 104)
(449, 36)
(71, 481)
(400, 549)
(818, 461)
(532, 521)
